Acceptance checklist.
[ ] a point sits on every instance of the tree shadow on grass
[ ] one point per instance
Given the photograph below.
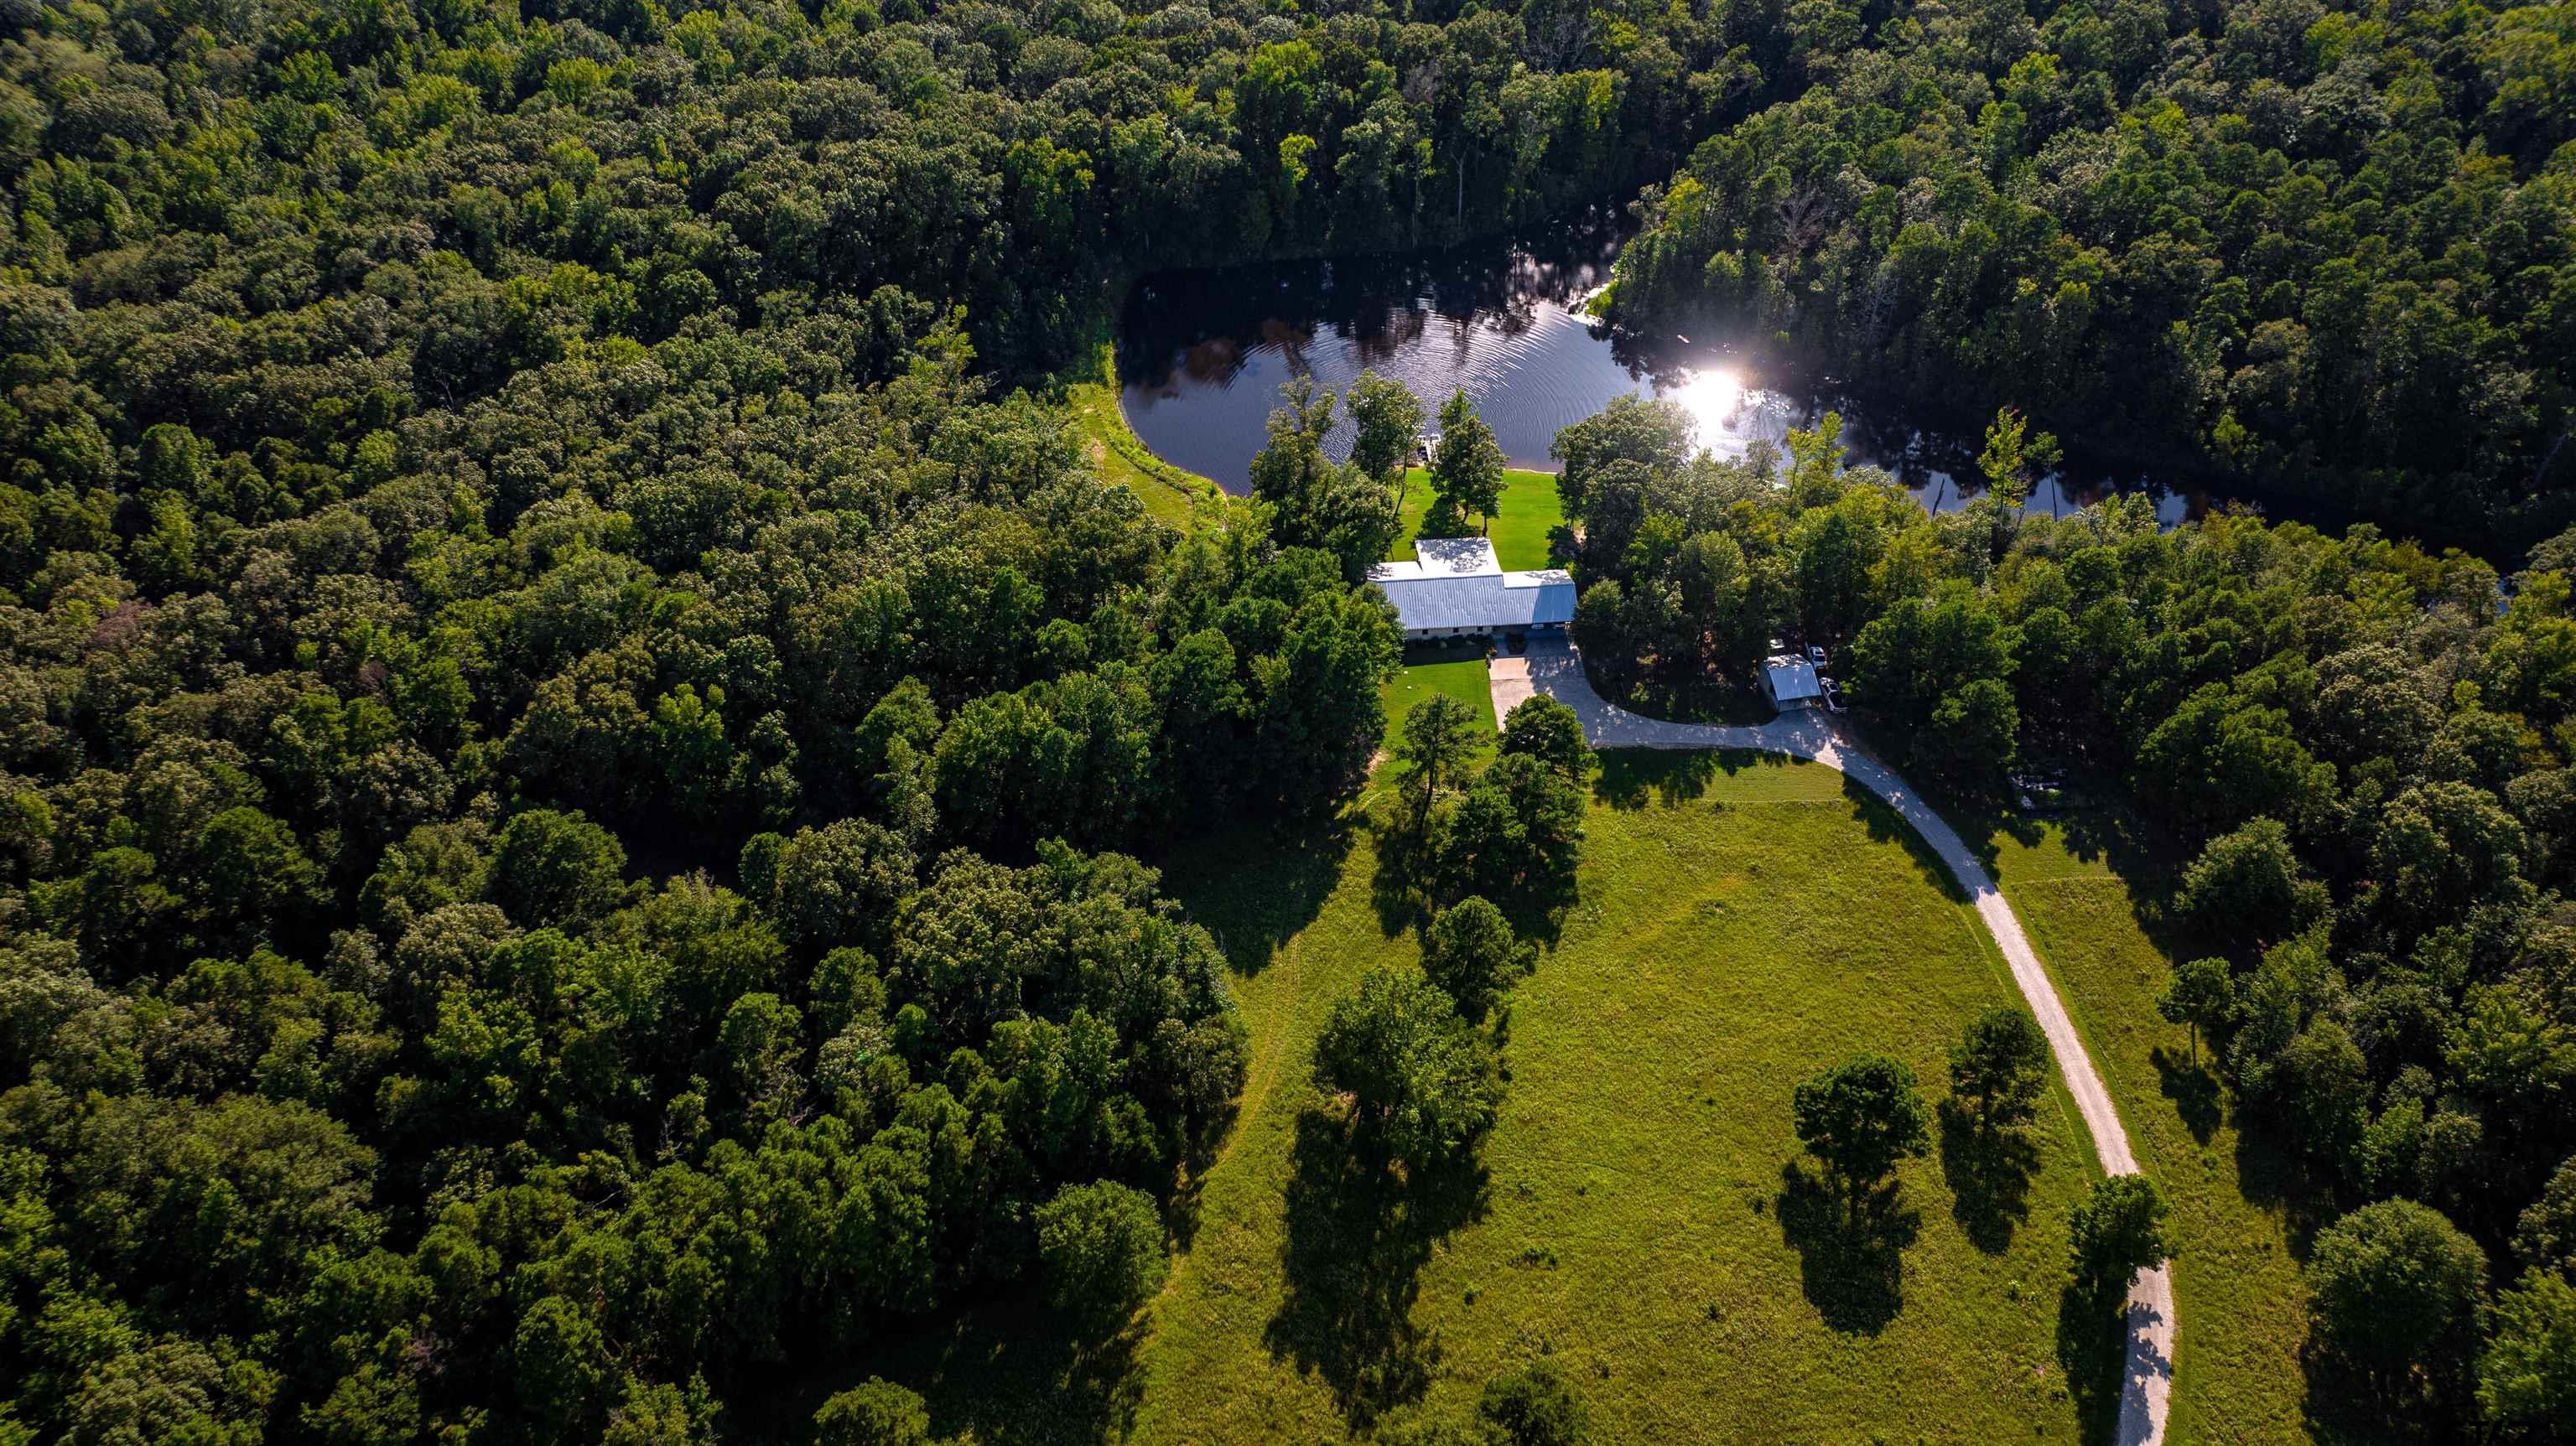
(1358, 1235)
(1886, 825)
(1631, 778)
(1851, 1251)
(2092, 1352)
(1988, 1173)
(1255, 888)
(2194, 1090)
(1401, 889)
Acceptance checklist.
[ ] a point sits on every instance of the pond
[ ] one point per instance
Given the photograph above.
(1202, 355)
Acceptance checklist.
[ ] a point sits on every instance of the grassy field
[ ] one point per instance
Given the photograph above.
(2240, 1211)
(1742, 924)
(1519, 531)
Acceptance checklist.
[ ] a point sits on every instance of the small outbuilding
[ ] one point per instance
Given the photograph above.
(1791, 682)
(1455, 587)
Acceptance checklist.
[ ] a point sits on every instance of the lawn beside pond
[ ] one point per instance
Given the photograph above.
(1519, 532)
(1743, 923)
(1170, 494)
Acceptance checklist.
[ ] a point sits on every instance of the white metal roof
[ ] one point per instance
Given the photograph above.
(1441, 557)
(1791, 678)
(1456, 582)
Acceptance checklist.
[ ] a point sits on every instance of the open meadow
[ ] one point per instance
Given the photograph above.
(1638, 1212)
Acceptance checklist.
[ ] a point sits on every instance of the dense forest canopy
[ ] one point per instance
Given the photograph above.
(568, 750)
(583, 770)
(2321, 247)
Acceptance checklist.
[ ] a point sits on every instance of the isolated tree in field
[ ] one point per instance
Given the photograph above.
(1420, 1077)
(1999, 1067)
(1861, 1117)
(1471, 951)
(1467, 471)
(1551, 732)
(2116, 1232)
(1387, 417)
(1533, 1406)
(2393, 1293)
(1439, 736)
(2527, 1378)
(2201, 995)
(1101, 1247)
(878, 1413)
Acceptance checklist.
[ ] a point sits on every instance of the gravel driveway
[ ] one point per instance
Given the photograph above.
(1552, 667)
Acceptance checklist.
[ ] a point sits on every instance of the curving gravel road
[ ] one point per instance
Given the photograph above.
(1551, 667)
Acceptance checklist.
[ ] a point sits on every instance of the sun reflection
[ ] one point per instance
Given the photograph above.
(1711, 397)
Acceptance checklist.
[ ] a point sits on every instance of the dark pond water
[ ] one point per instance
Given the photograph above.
(1202, 355)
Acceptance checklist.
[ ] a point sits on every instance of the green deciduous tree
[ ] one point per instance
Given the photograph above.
(1387, 418)
(2527, 1377)
(1437, 740)
(1470, 951)
(1101, 1248)
(1420, 1077)
(2117, 1231)
(2200, 996)
(2394, 1292)
(1999, 1068)
(1862, 1117)
(1467, 471)
(877, 1413)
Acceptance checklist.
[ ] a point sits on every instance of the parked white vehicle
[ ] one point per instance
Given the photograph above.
(1815, 655)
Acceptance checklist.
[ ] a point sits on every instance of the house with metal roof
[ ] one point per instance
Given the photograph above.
(1455, 587)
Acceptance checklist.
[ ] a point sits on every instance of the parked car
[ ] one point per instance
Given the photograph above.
(1833, 694)
(1815, 655)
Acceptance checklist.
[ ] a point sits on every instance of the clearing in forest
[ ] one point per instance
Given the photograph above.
(1744, 922)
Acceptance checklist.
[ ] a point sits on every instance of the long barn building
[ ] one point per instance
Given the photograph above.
(1455, 588)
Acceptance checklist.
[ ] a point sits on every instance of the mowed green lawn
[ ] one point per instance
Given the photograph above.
(2240, 1303)
(1519, 531)
(1457, 672)
(1743, 923)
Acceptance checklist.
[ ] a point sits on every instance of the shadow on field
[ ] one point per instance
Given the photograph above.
(1401, 890)
(1358, 1235)
(1851, 1251)
(1254, 889)
(1630, 778)
(2092, 1353)
(1988, 1172)
(1885, 825)
(2193, 1087)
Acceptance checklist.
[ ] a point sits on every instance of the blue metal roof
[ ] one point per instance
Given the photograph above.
(1484, 600)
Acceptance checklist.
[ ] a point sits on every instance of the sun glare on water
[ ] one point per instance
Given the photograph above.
(1711, 397)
